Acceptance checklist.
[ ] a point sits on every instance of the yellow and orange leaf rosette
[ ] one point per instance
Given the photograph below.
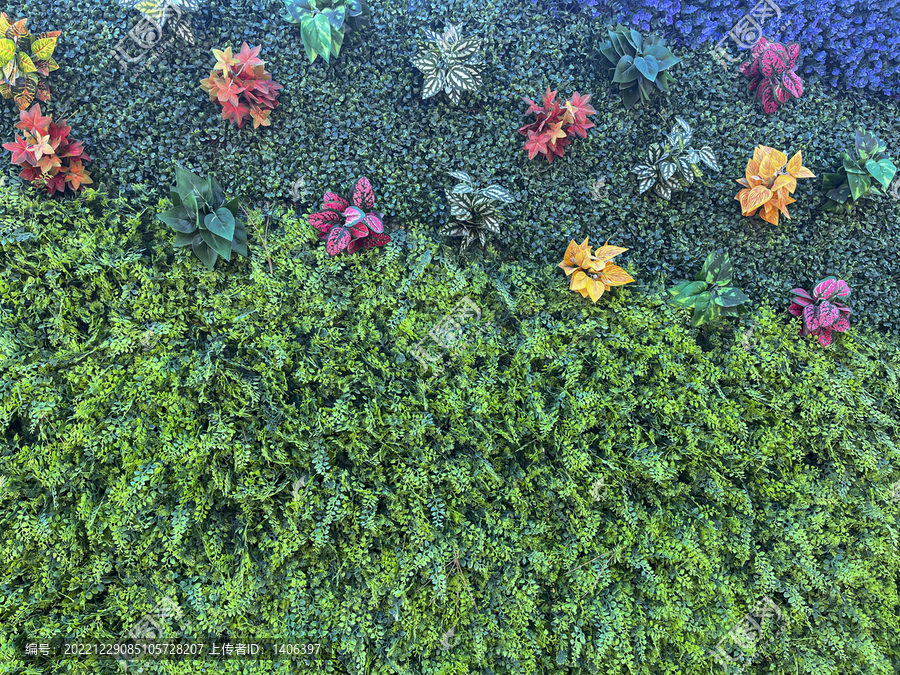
(766, 187)
(592, 273)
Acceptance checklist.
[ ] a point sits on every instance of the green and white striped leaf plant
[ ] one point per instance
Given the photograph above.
(474, 211)
(674, 166)
(450, 64)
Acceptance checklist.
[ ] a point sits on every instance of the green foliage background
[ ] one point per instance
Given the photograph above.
(362, 116)
(155, 416)
(140, 465)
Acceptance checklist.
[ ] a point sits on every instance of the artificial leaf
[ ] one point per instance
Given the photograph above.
(731, 297)
(755, 198)
(206, 255)
(180, 218)
(222, 247)
(221, 223)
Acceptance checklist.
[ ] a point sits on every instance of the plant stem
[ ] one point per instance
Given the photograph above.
(263, 239)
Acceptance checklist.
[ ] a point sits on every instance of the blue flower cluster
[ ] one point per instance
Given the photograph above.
(589, 7)
(847, 43)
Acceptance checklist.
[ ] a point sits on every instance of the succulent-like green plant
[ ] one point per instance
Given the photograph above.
(637, 63)
(854, 179)
(474, 209)
(204, 219)
(710, 294)
(323, 23)
(673, 167)
(449, 63)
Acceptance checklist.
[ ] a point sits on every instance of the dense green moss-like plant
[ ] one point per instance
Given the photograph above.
(856, 178)
(350, 227)
(324, 23)
(637, 64)
(449, 63)
(203, 219)
(822, 311)
(26, 61)
(710, 294)
(673, 167)
(474, 210)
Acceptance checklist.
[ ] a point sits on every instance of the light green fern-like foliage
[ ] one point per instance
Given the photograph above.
(249, 382)
(450, 64)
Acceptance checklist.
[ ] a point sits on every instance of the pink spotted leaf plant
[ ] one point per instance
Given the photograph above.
(823, 312)
(347, 226)
(772, 70)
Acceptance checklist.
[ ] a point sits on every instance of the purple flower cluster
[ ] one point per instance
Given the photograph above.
(846, 43)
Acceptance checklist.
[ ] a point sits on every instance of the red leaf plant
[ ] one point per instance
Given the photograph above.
(349, 227)
(822, 311)
(555, 125)
(242, 85)
(49, 158)
(772, 70)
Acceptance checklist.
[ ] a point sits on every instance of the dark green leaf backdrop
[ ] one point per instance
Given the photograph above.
(362, 116)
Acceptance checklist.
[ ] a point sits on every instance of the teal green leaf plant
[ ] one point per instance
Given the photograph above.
(203, 219)
(324, 23)
(637, 64)
(859, 174)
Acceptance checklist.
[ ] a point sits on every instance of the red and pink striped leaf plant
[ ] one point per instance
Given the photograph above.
(772, 70)
(350, 227)
(822, 312)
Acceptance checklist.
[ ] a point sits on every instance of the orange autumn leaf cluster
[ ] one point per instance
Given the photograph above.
(241, 84)
(592, 274)
(768, 185)
(48, 157)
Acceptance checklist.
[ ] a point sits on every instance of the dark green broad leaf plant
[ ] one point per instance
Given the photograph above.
(859, 174)
(637, 64)
(323, 23)
(203, 219)
(710, 294)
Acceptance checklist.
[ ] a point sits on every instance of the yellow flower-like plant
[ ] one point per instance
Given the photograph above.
(593, 273)
(768, 185)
